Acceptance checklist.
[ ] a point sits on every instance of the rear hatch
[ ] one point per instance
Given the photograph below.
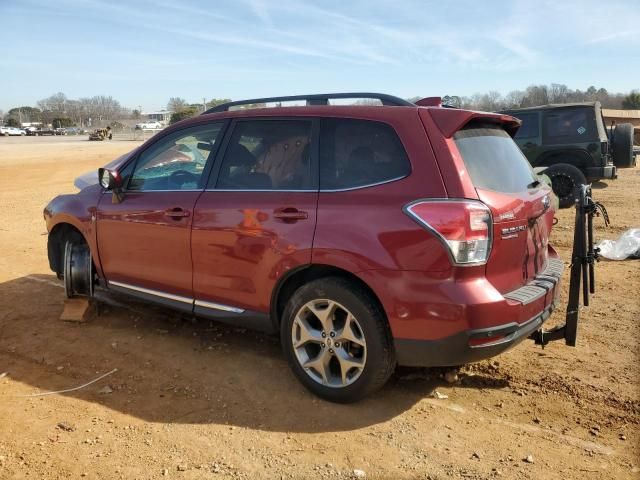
(520, 204)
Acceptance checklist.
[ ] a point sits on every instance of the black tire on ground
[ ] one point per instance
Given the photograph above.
(623, 146)
(564, 179)
(379, 360)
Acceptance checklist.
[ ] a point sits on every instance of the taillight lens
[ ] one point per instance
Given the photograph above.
(464, 227)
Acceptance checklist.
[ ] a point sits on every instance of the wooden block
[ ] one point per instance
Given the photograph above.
(76, 310)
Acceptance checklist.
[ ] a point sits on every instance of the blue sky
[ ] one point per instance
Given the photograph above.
(142, 52)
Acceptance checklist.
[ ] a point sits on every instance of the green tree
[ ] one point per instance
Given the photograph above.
(12, 122)
(26, 114)
(61, 122)
(632, 101)
(187, 112)
(214, 102)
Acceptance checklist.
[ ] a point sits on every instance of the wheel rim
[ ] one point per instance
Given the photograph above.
(329, 343)
(562, 185)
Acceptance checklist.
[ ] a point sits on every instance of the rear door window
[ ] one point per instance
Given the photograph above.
(493, 159)
(268, 155)
(569, 125)
(357, 153)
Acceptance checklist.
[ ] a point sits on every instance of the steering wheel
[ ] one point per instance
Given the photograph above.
(180, 177)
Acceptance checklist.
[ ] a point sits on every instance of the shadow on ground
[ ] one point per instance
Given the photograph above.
(174, 369)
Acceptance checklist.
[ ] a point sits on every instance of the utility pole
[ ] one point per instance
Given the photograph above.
(204, 104)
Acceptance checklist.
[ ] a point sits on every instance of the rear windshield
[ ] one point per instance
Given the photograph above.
(493, 160)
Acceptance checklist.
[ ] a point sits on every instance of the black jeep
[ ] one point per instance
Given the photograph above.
(573, 141)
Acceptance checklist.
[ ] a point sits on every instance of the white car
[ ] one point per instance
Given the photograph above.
(12, 131)
(149, 125)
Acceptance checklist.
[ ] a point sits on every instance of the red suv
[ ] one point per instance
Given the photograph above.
(366, 235)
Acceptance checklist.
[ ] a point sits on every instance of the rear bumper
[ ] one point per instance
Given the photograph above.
(597, 173)
(458, 349)
(494, 323)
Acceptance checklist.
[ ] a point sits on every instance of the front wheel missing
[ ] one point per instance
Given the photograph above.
(78, 270)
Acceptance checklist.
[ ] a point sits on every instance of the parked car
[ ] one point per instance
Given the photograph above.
(571, 142)
(60, 131)
(38, 131)
(151, 125)
(11, 131)
(367, 236)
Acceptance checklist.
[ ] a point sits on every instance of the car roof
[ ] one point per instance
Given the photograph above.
(552, 106)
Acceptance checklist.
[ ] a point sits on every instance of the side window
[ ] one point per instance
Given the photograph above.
(177, 161)
(529, 127)
(268, 155)
(569, 125)
(356, 153)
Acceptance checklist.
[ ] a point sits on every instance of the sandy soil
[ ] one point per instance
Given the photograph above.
(193, 399)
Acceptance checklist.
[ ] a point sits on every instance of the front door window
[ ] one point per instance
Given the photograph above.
(177, 161)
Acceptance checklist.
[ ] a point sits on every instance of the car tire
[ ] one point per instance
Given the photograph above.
(623, 156)
(338, 330)
(564, 179)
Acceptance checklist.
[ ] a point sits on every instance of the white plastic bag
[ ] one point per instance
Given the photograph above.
(625, 246)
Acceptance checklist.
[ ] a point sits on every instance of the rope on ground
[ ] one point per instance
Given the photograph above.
(68, 389)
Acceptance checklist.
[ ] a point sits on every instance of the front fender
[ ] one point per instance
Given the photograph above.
(78, 211)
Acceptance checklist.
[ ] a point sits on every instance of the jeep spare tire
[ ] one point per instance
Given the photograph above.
(564, 180)
(623, 146)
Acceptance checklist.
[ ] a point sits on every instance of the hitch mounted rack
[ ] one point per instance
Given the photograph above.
(582, 274)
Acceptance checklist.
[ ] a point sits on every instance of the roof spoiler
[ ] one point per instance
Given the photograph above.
(449, 121)
(430, 102)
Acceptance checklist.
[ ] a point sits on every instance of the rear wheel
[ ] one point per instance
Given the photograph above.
(336, 340)
(564, 179)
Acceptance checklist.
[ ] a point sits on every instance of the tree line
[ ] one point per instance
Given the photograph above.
(535, 95)
(61, 111)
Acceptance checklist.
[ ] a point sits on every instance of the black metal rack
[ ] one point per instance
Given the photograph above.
(582, 274)
(317, 99)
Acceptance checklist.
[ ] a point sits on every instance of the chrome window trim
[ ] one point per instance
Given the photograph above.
(330, 190)
(148, 291)
(218, 306)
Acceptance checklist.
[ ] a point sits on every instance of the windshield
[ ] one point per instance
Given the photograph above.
(493, 160)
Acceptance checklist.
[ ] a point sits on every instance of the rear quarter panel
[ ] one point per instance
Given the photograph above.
(365, 228)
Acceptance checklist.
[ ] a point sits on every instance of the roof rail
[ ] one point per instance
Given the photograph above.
(316, 99)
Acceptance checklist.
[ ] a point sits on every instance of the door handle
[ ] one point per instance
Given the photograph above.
(529, 145)
(290, 214)
(176, 213)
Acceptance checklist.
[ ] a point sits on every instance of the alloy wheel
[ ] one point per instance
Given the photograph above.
(329, 343)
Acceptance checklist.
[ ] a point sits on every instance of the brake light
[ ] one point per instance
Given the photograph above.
(463, 226)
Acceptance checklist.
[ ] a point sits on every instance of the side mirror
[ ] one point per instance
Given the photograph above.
(110, 180)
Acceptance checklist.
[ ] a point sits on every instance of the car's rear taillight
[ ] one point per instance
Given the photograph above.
(463, 226)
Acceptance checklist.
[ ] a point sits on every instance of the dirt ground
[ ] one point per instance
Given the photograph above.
(193, 399)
